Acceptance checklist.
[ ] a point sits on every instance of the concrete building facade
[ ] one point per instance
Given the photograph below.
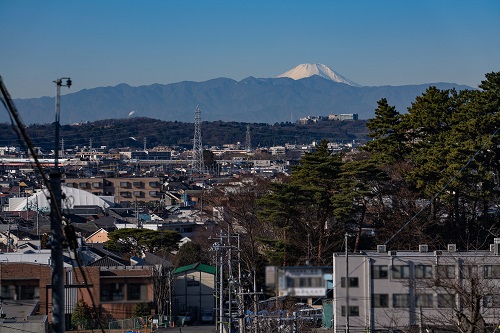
(385, 291)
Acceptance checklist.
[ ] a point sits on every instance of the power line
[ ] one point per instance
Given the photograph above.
(490, 138)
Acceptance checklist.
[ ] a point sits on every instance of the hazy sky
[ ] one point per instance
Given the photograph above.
(103, 42)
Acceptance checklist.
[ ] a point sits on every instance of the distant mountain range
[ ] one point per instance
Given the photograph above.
(305, 90)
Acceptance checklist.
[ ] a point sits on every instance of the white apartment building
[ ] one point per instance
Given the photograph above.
(420, 291)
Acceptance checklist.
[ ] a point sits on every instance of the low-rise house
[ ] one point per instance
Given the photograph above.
(100, 236)
(193, 289)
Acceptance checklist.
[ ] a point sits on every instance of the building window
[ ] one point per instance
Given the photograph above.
(138, 184)
(424, 301)
(380, 271)
(491, 301)
(423, 271)
(468, 271)
(446, 271)
(445, 300)
(125, 194)
(27, 292)
(191, 282)
(96, 185)
(153, 193)
(380, 300)
(400, 272)
(136, 292)
(401, 300)
(112, 292)
(353, 282)
(8, 291)
(125, 184)
(153, 184)
(492, 272)
(353, 311)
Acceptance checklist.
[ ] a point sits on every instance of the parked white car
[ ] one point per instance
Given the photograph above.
(207, 316)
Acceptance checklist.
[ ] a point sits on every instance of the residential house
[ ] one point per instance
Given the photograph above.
(194, 289)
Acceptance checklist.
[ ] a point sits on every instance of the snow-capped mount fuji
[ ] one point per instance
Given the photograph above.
(307, 70)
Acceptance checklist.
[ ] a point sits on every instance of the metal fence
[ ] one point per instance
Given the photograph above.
(139, 323)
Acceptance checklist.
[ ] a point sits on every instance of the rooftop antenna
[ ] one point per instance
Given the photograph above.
(198, 163)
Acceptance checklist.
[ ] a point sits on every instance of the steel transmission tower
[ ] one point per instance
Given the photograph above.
(248, 144)
(198, 163)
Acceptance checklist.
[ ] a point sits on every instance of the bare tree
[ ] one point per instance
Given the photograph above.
(162, 289)
(468, 294)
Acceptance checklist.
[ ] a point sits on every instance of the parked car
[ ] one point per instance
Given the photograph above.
(313, 316)
(184, 318)
(207, 316)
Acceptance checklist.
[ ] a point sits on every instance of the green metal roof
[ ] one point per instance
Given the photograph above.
(196, 267)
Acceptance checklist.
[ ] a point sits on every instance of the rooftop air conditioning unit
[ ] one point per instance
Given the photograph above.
(393, 253)
(452, 247)
(381, 248)
(423, 248)
(438, 252)
(495, 248)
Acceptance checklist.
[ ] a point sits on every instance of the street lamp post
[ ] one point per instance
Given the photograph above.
(56, 248)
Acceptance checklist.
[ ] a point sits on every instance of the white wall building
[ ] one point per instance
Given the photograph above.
(389, 291)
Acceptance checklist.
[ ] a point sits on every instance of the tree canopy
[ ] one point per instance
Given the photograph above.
(428, 176)
(138, 241)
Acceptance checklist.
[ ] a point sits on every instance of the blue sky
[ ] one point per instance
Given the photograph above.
(104, 43)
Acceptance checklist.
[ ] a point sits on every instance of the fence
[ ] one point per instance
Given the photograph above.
(139, 323)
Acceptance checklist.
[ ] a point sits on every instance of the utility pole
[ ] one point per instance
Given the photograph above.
(224, 257)
(56, 248)
(346, 285)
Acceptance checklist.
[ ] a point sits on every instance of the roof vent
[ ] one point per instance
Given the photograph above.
(423, 248)
(381, 248)
(452, 247)
(393, 253)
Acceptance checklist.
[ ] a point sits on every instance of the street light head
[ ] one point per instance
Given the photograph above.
(68, 82)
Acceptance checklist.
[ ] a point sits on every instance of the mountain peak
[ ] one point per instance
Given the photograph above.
(307, 70)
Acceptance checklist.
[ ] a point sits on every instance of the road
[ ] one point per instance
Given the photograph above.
(188, 329)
